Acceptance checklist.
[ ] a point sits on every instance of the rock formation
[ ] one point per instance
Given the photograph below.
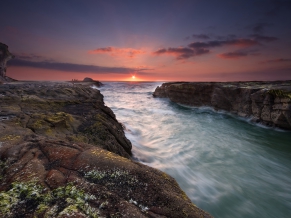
(88, 81)
(5, 56)
(266, 102)
(64, 154)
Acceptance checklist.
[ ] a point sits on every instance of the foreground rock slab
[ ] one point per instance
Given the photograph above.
(266, 102)
(64, 154)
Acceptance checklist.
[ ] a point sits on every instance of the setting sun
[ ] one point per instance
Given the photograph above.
(133, 77)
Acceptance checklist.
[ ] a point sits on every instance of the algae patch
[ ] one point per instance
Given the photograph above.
(31, 197)
(10, 137)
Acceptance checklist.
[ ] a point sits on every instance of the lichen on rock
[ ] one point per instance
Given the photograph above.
(30, 197)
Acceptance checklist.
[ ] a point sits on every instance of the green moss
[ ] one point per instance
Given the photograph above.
(96, 131)
(38, 124)
(45, 123)
(3, 167)
(19, 192)
(280, 93)
(9, 137)
(32, 196)
(71, 209)
(41, 208)
(59, 117)
(78, 138)
(49, 132)
(101, 118)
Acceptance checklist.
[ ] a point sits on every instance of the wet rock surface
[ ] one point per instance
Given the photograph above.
(64, 154)
(266, 102)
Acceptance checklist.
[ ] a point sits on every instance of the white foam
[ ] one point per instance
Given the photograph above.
(94, 87)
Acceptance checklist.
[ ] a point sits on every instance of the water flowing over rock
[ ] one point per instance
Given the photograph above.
(64, 154)
(266, 102)
(5, 56)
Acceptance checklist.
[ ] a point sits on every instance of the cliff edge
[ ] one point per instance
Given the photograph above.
(64, 154)
(266, 102)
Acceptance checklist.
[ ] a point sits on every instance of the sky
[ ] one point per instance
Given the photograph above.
(152, 40)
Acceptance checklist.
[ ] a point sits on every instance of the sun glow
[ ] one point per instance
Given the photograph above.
(133, 78)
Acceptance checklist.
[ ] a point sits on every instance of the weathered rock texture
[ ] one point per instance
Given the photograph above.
(266, 102)
(64, 154)
(5, 56)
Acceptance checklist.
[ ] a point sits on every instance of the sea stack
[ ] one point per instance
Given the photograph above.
(5, 56)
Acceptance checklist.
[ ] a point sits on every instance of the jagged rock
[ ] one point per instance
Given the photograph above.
(5, 56)
(64, 154)
(266, 102)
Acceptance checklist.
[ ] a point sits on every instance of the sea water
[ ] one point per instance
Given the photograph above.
(226, 165)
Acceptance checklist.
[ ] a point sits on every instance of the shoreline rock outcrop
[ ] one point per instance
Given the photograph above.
(64, 154)
(266, 102)
(5, 56)
(87, 81)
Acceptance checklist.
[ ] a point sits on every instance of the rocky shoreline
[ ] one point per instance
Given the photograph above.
(268, 103)
(64, 154)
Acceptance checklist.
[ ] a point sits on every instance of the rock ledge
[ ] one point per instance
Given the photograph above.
(266, 102)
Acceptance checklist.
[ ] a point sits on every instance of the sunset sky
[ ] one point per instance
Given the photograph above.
(154, 40)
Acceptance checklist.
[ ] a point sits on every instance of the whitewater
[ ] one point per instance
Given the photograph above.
(227, 165)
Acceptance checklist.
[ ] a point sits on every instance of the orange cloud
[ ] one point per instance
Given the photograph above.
(113, 51)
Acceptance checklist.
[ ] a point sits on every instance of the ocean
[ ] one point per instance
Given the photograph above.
(227, 165)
